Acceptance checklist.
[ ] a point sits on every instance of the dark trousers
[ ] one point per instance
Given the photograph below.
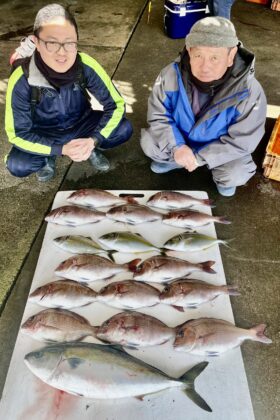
(21, 163)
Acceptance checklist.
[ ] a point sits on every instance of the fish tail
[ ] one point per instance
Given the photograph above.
(188, 379)
(206, 266)
(94, 331)
(208, 202)
(258, 334)
(232, 290)
(132, 265)
(130, 199)
(223, 220)
(226, 243)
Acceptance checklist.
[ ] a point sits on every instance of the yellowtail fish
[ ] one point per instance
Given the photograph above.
(85, 369)
(191, 242)
(77, 244)
(126, 242)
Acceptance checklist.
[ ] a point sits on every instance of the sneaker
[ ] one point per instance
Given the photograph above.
(161, 168)
(226, 191)
(99, 161)
(47, 172)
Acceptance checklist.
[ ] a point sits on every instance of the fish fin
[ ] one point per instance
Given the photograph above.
(132, 265)
(206, 266)
(223, 220)
(233, 290)
(259, 335)
(74, 362)
(140, 397)
(110, 255)
(194, 306)
(178, 308)
(188, 379)
(212, 353)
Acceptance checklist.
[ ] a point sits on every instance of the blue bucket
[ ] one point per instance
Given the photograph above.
(180, 16)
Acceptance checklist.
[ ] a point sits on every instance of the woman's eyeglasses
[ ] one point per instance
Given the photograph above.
(54, 47)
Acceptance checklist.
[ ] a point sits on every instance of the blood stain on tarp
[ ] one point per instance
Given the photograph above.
(49, 403)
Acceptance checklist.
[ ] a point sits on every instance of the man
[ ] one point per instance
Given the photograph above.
(220, 7)
(207, 108)
(48, 111)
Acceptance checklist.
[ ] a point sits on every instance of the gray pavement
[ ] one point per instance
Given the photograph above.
(135, 58)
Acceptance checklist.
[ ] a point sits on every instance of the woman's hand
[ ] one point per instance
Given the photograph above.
(185, 157)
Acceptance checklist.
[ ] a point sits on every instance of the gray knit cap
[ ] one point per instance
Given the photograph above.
(47, 14)
(212, 32)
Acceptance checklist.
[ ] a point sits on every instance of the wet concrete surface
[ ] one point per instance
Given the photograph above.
(252, 262)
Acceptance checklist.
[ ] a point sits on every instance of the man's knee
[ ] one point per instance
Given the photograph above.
(17, 168)
(21, 164)
(119, 136)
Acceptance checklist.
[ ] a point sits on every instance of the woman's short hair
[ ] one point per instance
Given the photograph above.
(48, 13)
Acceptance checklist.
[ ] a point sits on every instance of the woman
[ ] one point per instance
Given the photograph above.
(48, 111)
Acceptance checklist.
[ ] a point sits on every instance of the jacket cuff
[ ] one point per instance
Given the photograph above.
(199, 159)
(56, 150)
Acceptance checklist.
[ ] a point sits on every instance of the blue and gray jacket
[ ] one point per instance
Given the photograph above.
(230, 126)
(58, 112)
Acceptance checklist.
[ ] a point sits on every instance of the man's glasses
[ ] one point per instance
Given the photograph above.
(54, 47)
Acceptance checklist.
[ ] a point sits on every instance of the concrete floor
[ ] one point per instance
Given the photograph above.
(121, 41)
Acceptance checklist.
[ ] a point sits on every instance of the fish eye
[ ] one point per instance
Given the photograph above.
(180, 334)
(38, 354)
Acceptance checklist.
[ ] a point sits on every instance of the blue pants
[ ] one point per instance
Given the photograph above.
(220, 7)
(21, 163)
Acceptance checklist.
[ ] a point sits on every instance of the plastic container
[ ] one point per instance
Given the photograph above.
(180, 16)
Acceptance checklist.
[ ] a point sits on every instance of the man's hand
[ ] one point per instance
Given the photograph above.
(79, 149)
(184, 156)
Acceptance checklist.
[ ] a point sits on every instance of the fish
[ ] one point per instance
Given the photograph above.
(168, 200)
(66, 294)
(57, 325)
(126, 242)
(97, 198)
(133, 214)
(189, 219)
(74, 216)
(129, 294)
(160, 269)
(191, 242)
(77, 244)
(134, 330)
(212, 337)
(189, 293)
(87, 268)
(106, 372)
